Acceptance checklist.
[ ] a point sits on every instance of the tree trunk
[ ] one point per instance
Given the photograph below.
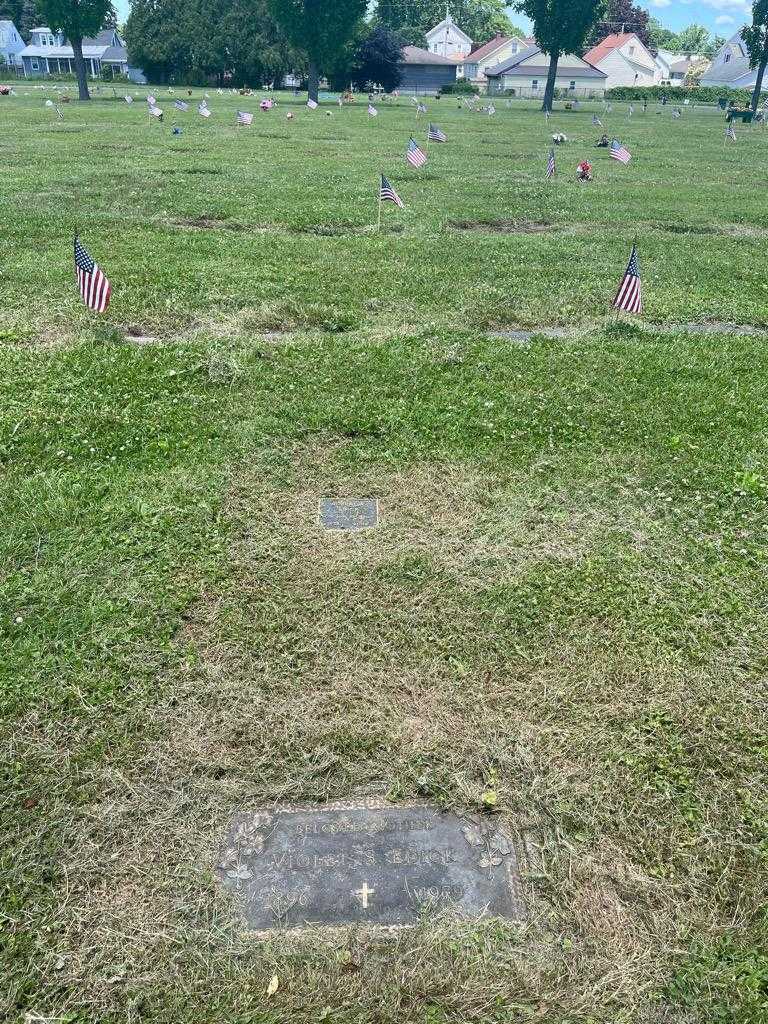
(549, 92)
(82, 74)
(313, 85)
(759, 81)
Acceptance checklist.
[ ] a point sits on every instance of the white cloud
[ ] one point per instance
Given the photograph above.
(725, 19)
(660, 3)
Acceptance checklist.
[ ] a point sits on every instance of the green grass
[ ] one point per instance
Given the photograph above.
(567, 596)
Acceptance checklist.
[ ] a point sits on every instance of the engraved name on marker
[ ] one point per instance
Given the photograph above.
(349, 513)
(369, 863)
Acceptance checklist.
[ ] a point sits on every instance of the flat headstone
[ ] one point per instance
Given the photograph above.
(349, 513)
(367, 863)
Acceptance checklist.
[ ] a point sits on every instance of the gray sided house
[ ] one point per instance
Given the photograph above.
(11, 44)
(425, 72)
(731, 66)
(525, 74)
(50, 54)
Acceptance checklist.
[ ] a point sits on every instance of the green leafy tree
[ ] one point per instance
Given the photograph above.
(660, 37)
(560, 26)
(621, 16)
(480, 19)
(373, 58)
(694, 39)
(23, 13)
(159, 34)
(755, 38)
(318, 29)
(77, 19)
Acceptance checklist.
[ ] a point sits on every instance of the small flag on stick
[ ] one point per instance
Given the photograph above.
(596, 121)
(95, 289)
(180, 105)
(312, 104)
(388, 195)
(629, 297)
(202, 109)
(129, 99)
(415, 155)
(372, 111)
(619, 152)
(551, 167)
(435, 134)
(730, 132)
(243, 117)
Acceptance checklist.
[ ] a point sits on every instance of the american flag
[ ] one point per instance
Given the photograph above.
(156, 111)
(243, 117)
(676, 113)
(414, 155)
(373, 112)
(129, 99)
(619, 152)
(730, 132)
(435, 134)
(551, 164)
(312, 104)
(629, 297)
(180, 105)
(202, 109)
(95, 289)
(421, 109)
(151, 100)
(631, 110)
(388, 195)
(596, 121)
(491, 110)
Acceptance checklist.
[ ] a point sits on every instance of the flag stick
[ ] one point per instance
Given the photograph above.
(379, 224)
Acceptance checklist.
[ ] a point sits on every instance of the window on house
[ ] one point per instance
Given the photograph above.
(35, 65)
(727, 57)
(572, 84)
(631, 50)
(535, 85)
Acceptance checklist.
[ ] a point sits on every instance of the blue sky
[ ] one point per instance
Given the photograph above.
(722, 17)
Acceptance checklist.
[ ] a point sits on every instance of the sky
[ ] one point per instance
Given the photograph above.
(721, 17)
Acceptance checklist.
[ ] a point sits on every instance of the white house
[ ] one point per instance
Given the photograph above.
(624, 59)
(731, 66)
(49, 53)
(673, 67)
(494, 52)
(526, 74)
(447, 40)
(11, 44)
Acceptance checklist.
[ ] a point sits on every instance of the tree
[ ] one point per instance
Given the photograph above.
(374, 57)
(158, 35)
(560, 26)
(77, 19)
(755, 38)
(22, 13)
(480, 19)
(318, 29)
(694, 39)
(621, 16)
(660, 37)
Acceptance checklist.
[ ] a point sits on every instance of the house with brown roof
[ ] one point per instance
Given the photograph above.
(494, 52)
(624, 59)
(424, 72)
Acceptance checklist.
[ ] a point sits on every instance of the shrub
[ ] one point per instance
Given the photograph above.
(460, 86)
(676, 94)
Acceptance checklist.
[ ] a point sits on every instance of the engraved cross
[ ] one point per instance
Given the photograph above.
(363, 894)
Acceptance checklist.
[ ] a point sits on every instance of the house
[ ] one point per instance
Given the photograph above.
(49, 53)
(448, 40)
(526, 75)
(624, 59)
(11, 44)
(489, 54)
(425, 72)
(674, 68)
(731, 66)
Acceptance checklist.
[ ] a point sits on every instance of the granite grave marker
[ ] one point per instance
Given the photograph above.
(367, 863)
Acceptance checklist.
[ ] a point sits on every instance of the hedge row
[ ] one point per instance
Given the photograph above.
(676, 94)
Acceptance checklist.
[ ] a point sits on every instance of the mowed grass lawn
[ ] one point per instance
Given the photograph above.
(566, 599)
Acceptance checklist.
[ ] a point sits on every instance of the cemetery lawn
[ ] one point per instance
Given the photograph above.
(564, 605)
